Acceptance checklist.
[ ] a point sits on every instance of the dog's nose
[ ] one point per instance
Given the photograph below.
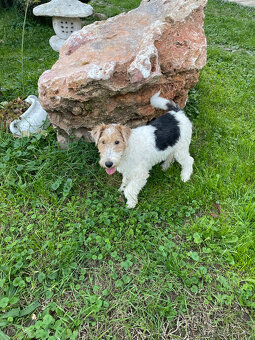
(108, 164)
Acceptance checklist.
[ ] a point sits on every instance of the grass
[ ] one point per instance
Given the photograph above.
(77, 264)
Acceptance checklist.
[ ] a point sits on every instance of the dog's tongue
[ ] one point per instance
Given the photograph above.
(110, 171)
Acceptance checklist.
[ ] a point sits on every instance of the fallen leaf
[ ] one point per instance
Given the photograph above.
(120, 198)
(214, 215)
(218, 207)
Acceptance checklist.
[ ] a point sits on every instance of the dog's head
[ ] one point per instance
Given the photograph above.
(111, 141)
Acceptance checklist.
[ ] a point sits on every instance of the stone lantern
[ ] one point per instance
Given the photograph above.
(66, 16)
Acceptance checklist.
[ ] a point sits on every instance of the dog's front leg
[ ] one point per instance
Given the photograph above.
(133, 188)
(124, 183)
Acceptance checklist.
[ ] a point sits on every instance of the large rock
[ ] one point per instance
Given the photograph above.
(108, 71)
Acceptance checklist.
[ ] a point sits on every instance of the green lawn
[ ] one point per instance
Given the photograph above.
(75, 263)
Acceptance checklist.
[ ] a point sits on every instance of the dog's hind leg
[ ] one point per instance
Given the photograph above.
(186, 161)
(167, 162)
(134, 187)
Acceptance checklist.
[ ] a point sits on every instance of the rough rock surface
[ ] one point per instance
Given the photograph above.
(108, 71)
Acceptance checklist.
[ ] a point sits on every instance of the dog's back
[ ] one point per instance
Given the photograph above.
(172, 126)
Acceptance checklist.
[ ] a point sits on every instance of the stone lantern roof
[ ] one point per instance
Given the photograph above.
(64, 8)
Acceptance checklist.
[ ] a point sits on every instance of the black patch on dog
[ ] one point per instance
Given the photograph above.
(172, 107)
(167, 131)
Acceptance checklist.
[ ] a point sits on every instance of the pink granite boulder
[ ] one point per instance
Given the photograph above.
(108, 71)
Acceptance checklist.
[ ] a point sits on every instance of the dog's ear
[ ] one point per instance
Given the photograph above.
(97, 132)
(125, 132)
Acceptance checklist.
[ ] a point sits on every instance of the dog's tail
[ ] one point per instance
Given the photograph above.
(162, 103)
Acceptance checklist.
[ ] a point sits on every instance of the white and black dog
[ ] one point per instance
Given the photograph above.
(133, 152)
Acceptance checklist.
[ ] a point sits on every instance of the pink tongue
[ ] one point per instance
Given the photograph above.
(110, 171)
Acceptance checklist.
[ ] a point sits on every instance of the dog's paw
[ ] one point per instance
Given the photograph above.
(130, 196)
(185, 176)
(131, 204)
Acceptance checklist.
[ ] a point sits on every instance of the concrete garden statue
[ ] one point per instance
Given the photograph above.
(30, 121)
(66, 16)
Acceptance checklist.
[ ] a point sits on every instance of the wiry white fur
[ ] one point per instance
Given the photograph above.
(109, 156)
(159, 102)
(141, 154)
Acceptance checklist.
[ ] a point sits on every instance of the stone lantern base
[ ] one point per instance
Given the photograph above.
(56, 43)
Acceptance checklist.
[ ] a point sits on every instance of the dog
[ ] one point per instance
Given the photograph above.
(133, 152)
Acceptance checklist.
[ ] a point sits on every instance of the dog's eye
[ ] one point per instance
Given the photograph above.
(103, 142)
(117, 142)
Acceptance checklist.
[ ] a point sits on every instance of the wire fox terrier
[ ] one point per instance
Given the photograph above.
(133, 152)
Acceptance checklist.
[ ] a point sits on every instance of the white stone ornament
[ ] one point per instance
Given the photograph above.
(30, 121)
(66, 16)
